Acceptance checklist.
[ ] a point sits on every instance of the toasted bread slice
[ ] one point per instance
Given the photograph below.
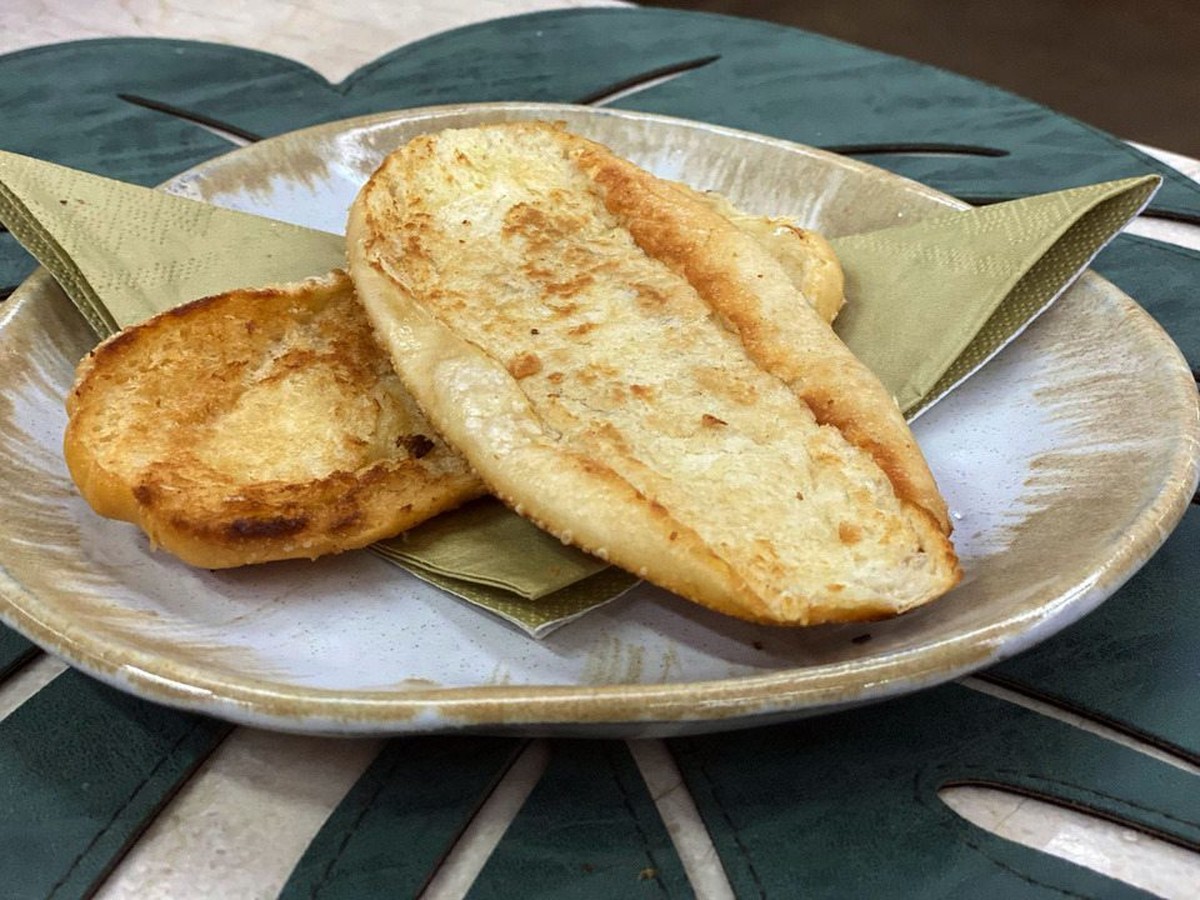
(257, 425)
(599, 344)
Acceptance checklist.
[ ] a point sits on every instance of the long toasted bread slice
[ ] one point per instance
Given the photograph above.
(257, 425)
(603, 348)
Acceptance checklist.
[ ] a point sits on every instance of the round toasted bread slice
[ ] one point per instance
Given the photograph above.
(578, 348)
(257, 425)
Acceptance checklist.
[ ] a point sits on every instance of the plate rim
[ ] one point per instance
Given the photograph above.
(711, 704)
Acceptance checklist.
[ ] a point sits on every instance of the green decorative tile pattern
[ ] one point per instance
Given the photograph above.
(83, 770)
(847, 805)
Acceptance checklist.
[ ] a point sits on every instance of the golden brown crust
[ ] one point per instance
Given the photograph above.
(590, 386)
(255, 426)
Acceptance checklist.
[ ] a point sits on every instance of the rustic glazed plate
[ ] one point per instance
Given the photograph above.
(1066, 462)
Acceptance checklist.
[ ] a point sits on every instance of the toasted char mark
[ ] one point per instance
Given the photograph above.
(347, 522)
(541, 234)
(650, 297)
(523, 365)
(269, 518)
(558, 288)
(571, 287)
(718, 382)
(274, 527)
(562, 310)
(711, 255)
(417, 445)
(597, 371)
(538, 227)
(145, 495)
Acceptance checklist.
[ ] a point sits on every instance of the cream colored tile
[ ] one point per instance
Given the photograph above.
(1123, 853)
(330, 36)
(682, 819)
(238, 828)
(27, 681)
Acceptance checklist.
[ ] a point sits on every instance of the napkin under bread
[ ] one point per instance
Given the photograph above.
(627, 368)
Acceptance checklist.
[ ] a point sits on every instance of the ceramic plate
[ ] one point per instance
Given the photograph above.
(1060, 483)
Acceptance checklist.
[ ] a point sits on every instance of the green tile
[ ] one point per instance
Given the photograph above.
(83, 770)
(588, 830)
(847, 805)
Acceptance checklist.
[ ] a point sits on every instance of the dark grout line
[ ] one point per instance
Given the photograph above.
(189, 116)
(898, 148)
(629, 84)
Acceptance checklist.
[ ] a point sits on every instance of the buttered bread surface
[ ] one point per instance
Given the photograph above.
(257, 425)
(596, 389)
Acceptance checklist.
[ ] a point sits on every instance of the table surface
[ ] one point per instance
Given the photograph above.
(242, 822)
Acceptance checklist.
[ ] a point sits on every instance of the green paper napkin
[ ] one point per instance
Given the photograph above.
(462, 545)
(927, 305)
(123, 253)
(536, 617)
(493, 558)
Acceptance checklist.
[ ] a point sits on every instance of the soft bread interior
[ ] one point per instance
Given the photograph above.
(756, 298)
(595, 388)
